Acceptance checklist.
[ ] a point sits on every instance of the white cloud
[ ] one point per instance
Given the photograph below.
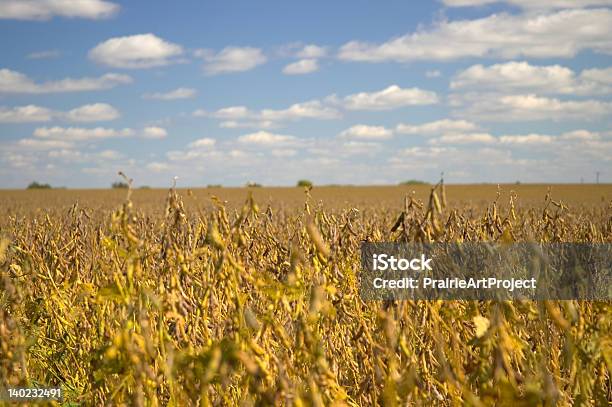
(96, 112)
(70, 134)
(386, 99)
(301, 67)
(25, 114)
(518, 140)
(364, 132)
(467, 138)
(311, 51)
(602, 76)
(521, 76)
(232, 112)
(154, 132)
(235, 115)
(261, 124)
(32, 113)
(421, 152)
(46, 9)
(37, 144)
(434, 73)
(158, 167)
(526, 139)
(232, 59)
(313, 109)
(389, 98)
(531, 4)
(580, 135)
(437, 127)
(264, 138)
(203, 143)
(499, 35)
(178, 93)
(136, 51)
(16, 82)
(48, 54)
(494, 107)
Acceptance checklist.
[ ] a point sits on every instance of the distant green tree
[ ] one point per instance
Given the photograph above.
(36, 185)
(252, 184)
(214, 186)
(119, 185)
(304, 183)
(414, 182)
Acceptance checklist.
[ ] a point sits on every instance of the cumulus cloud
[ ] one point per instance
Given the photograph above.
(25, 114)
(434, 73)
(96, 112)
(328, 109)
(203, 143)
(467, 138)
(313, 109)
(154, 132)
(241, 116)
(301, 67)
(521, 76)
(232, 59)
(16, 82)
(236, 117)
(46, 9)
(499, 35)
(513, 141)
(437, 127)
(390, 98)
(526, 139)
(530, 107)
(307, 55)
(601, 76)
(421, 153)
(37, 144)
(136, 51)
(71, 134)
(260, 124)
(32, 113)
(311, 51)
(364, 132)
(231, 112)
(178, 93)
(581, 135)
(264, 138)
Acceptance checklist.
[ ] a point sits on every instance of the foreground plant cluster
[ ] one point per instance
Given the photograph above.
(261, 307)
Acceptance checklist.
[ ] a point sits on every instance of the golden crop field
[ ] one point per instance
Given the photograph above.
(226, 296)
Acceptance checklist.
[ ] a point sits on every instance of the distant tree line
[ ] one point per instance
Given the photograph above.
(119, 185)
(414, 182)
(36, 185)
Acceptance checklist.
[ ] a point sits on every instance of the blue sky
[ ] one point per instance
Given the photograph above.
(356, 92)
